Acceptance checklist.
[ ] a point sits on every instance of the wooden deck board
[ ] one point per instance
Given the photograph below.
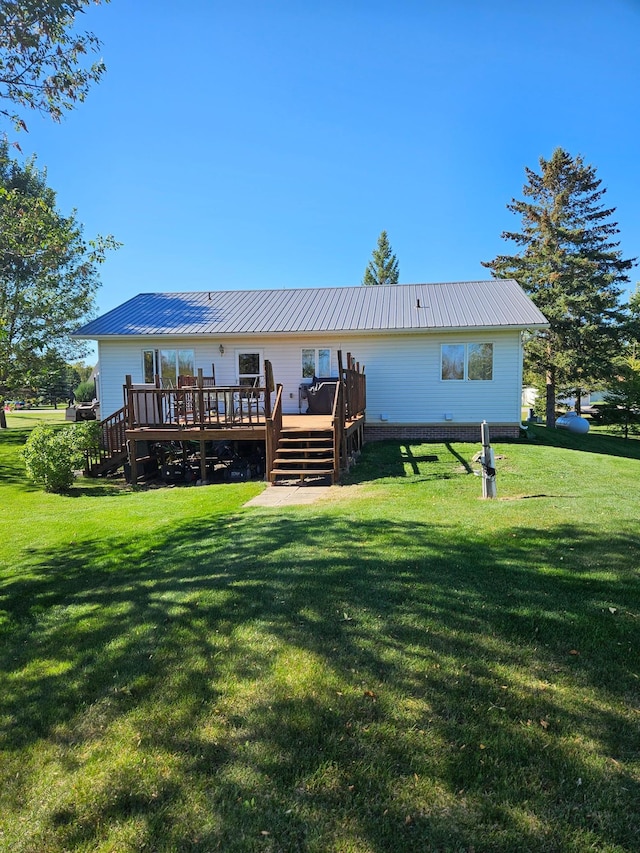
(237, 432)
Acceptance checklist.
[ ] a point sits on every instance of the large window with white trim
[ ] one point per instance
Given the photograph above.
(168, 364)
(316, 362)
(473, 361)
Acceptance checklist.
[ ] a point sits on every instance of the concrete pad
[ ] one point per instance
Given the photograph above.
(289, 495)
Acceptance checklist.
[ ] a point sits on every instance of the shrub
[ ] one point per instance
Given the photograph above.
(52, 455)
(85, 392)
(86, 435)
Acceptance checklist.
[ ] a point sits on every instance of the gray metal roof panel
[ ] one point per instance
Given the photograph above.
(472, 304)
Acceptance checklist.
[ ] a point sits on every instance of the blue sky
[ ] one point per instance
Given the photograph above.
(267, 144)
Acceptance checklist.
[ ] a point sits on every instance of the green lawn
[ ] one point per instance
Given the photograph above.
(28, 418)
(399, 667)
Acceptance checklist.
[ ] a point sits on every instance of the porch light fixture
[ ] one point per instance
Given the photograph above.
(221, 348)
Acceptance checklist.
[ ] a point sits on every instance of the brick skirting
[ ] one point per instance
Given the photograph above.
(437, 432)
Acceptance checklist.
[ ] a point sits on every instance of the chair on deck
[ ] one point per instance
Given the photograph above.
(189, 385)
(251, 400)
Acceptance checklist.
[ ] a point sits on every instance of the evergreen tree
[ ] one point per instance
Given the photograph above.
(570, 265)
(383, 266)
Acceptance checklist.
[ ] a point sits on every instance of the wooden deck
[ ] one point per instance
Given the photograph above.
(231, 431)
(305, 426)
(304, 445)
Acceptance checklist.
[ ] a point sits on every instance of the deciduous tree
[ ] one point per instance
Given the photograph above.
(48, 274)
(623, 391)
(383, 266)
(43, 57)
(570, 263)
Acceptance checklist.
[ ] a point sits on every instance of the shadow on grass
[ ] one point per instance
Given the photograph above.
(295, 690)
(593, 442)
(398, 460)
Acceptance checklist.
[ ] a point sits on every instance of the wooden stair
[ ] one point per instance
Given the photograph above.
(302, 454)
(112, 452)
(108, 464)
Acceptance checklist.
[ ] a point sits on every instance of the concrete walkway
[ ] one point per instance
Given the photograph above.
(289, 495)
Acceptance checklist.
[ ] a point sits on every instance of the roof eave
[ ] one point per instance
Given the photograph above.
(142, 336)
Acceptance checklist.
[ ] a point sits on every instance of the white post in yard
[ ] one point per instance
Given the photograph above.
(488, 464)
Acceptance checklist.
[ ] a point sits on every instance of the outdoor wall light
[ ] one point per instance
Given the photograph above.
(221, 348)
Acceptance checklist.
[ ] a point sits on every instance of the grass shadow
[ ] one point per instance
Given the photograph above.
(314, 682)
(397, 460)
(599, 443)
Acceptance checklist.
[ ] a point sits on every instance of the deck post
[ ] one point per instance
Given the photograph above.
(269, 387)
(158, 400)
(129, 400)
(200, 399)
(133, 460)
(203, 462)
(341, 448)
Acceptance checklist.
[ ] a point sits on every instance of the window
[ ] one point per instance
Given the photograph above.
(149, 365)
(453, 361)
(480, 362)
(316, 362)
(249, 368)
(168, 364)
(467, 361)
(186, 362)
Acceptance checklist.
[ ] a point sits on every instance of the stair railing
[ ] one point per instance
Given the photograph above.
(337, 423)
(112, 439)
(273, 430)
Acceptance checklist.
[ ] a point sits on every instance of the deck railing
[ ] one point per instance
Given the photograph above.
(112, 440)
(338, 423)
(355, 393)
(355, 387)
(222, 406)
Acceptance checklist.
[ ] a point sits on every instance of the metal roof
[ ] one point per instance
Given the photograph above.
(406, 307)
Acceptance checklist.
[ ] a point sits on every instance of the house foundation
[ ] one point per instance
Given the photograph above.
(437, 432)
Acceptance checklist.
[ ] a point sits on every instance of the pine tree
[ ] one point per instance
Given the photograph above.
(570, 265)
(383, 266)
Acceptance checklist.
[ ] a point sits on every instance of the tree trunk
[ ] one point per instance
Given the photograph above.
(578, 405)
(3, 417)
(551, 400)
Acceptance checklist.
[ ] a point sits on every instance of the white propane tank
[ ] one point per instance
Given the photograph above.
(573, 423)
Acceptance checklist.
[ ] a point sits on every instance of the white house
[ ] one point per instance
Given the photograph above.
(438, 358)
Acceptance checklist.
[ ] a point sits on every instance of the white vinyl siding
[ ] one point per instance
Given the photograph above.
(403, 372)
